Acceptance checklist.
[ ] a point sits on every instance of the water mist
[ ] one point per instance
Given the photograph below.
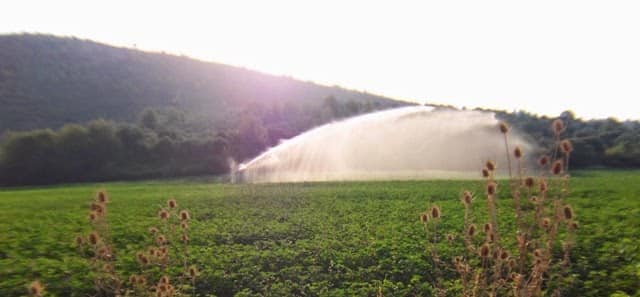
(405, 143)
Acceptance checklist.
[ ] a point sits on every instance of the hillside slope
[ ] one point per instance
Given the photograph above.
(47, 81)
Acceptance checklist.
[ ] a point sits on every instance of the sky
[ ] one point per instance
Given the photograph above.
(539, 56)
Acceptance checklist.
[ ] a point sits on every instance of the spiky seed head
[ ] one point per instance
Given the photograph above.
(573, 225)
(424, 217)
(544, 160)
(164, 214)
(98, 208)
(184, 215)
(504, 128)
(512, 263)
(102, 197)
(490, 165)
(487, 228)
(435, 212)
(133, 279)
(491, 236)
(517, 152)
(471, 231)
(543, 185)
(450, 237)
(504, 255)
(485, 172)
(557, 126)
(153, 230)
(107, 267)
(193, 271)
(534, 199)
(484, 250)
(545, 223)
(164, 279)
(93, 216)
(142, 258)
(160, 239)
(184, 225)
(79, 240)
(36, 289)
(529, 182)
(466, 197)
(185, 238)
(568, 212)
(492, 188)
(171, 203)
(94, 238)
(557, 167)
(566, 146)
(537, 253)
(142, 280)
(457, 259)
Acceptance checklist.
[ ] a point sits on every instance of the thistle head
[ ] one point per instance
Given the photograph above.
(566, 146)
(557, 167)
(184, 215)
(517, 152)
(435, 212)
(557, 126)
(504, 128)
(36, 288)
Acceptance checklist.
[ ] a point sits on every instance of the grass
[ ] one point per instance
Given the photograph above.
(307, 239)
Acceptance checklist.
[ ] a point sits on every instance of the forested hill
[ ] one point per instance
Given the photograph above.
(48, 81)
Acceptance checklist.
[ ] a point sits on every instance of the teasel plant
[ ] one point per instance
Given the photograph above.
(167, 252)
(534, 259)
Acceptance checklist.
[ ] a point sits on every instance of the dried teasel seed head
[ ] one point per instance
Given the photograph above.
(573, 225)
(537, 253)
(93, 215)
(557, 126)
(102, 197)
(504, 128)
(557, 167)
(79, 240)
(485, 172)
(492, 188)
(142, 258)
(98, 208)
(193, 271)
(566, 146)
(466, 197)
(529, 182)
(161, 239)
(544, 160)
(568, 212)
(512, 263)
(184, 215)
(451, 237)
(133, 279)
(504, 255)
(457, 259)
(93, 238)
(184, 238)
(35, 288)
(153, 230)
(496, 253)
(535, 199)
(471, 231)
(107, 267)
(490, 165)
(545, 223)
(487, 227)
(184, 225)
(142, 280)
(485, 250)
(543, 185)
(171, 203)
(517, 152)
(435, 212)
(424, 217)
(163, 214)
(491, 237)
(164, 279)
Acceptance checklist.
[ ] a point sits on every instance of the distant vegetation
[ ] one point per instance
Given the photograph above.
(88, 112)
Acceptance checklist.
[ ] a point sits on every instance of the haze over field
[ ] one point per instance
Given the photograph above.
(543, 57)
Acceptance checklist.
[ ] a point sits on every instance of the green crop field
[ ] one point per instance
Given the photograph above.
(307, 239)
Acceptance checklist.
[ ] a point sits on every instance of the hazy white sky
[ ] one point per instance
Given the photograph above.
(540, 56)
